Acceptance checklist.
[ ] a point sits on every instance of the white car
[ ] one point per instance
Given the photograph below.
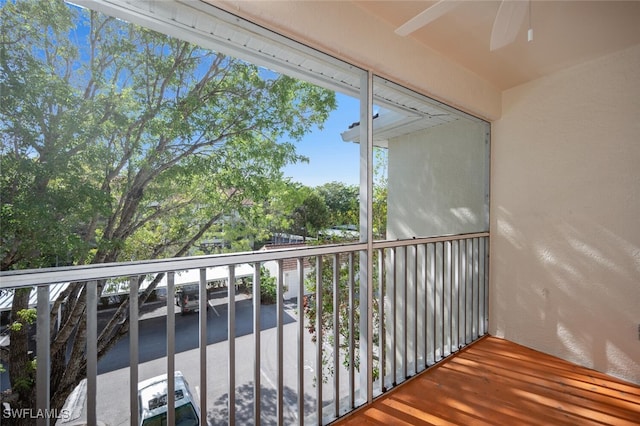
(152, 400)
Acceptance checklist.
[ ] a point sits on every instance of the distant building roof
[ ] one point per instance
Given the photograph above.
(6, 297)
(190, 276)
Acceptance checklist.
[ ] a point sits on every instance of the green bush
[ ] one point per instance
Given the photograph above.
(268, 287)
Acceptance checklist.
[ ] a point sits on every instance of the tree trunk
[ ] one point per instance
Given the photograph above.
(58, 368)
(21, 371)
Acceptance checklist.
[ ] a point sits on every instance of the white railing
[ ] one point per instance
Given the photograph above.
(433, 293)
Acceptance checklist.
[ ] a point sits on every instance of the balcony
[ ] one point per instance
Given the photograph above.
(564, 239)
(434, 294)
(437, 345)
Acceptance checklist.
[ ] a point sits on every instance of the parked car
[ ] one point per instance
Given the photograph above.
(188, 298)
(152, 400)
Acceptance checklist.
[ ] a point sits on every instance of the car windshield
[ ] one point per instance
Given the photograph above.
(185, 416)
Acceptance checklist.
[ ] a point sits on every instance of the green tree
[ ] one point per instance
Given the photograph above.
(340, 198)
(342, 201)
(260, 221)
(283, 200)
(380, 193)
(120, 143)
(348, 312)
(311, 215)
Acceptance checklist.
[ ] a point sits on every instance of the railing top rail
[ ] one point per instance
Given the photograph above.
(44, 276)
(426, 240)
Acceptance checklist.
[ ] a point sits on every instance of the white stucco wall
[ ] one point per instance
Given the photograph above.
(437, 181)
(565, 243)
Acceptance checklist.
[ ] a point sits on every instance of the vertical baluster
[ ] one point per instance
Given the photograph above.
(423, 280)
(452, 302)
(336, 334)
(231, 292)
(487, 246)
(43, 344)
(469, 288)
(441, 301)
(445, 294)
(460, 290)
(171, 349)
(474, 291)
(450, 298)
(472, 279)
(463, 290)
(352, 342)
(319, 339)
(427, 295)
(478, 270)
(301, 313)
(92, 350)
(257, 330)
(405, 315)
(382, 272)
(456, 281)
(435, 301)
(202, 325)
(280, 342)
(443, 308)
(442, 296)
(368, 260)
(425, 269)
(480, 286)
(415, 309)
(133, 350)
(394, 326)
(463, 283)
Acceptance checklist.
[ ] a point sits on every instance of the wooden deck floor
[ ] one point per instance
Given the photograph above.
(497, 382)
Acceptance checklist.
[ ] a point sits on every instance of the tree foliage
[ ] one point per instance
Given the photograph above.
(380, 193)
(342, 201)
(348, 309)
(311, 215)
(120, 143)
(268, 287)
(344, 207)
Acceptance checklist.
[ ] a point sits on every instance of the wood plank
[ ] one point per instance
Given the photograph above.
(495, 381)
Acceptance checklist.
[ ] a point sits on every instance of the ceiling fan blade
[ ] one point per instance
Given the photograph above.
(508, 21)
(425, 17)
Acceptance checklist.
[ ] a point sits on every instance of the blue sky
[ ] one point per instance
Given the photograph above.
(330, 159)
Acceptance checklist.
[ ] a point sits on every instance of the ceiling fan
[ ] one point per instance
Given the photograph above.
(507, 24)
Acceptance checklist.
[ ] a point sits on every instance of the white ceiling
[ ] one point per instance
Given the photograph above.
(566, 32)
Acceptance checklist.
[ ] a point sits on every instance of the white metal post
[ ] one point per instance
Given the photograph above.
(366, 236)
